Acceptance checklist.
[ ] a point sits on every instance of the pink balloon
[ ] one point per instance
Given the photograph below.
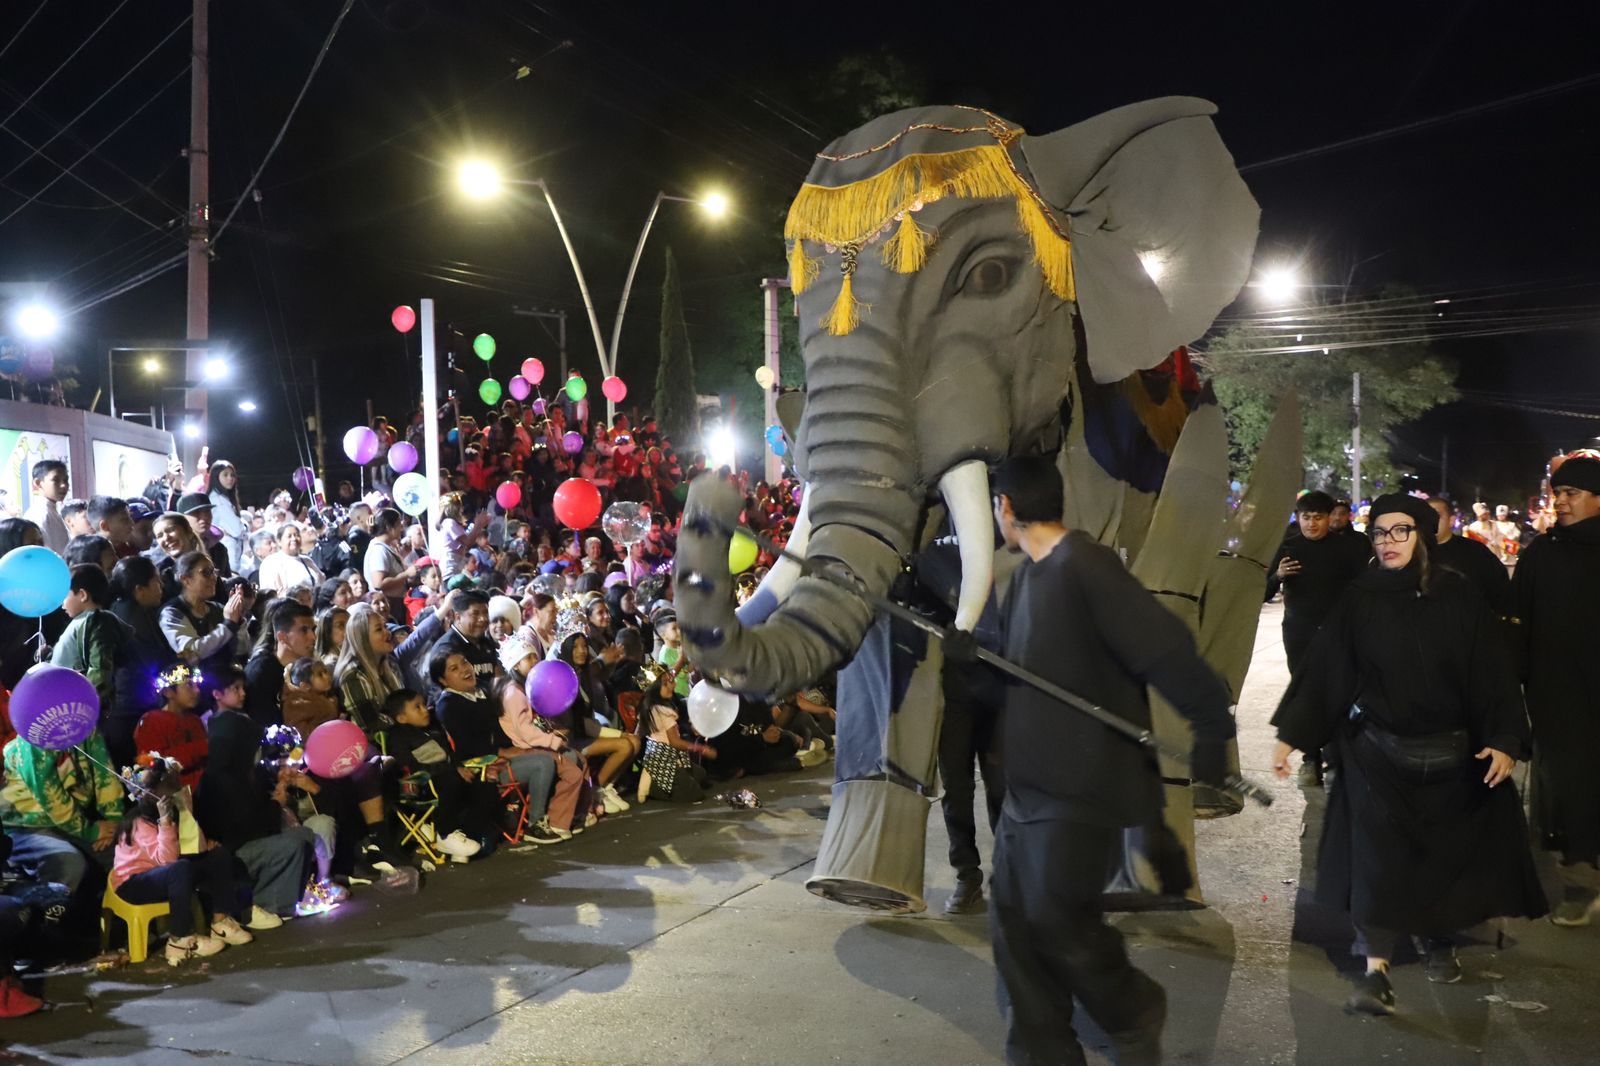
(403, 318)
(519, 388)
(533, 370)
(614, 389)
(508, 495)
(402, 457)
(336, 749)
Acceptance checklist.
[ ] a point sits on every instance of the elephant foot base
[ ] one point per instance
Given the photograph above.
(1214, 803)
(873, 850)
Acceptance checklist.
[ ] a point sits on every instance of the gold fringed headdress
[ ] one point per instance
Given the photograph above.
(852, 199)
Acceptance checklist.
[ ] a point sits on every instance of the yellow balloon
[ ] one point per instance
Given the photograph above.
(764, 377)
(742, 554)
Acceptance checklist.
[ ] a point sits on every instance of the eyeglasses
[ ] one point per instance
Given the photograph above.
(1398, 534)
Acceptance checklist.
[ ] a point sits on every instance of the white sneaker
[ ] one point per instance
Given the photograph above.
(817, 745)
(613, 803)
(811, 757)
(459, 846)
(182, 949)
(229, 931)
(262, 919)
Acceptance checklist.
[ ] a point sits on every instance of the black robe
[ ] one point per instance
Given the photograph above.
(1327, 566)
(1556, 591)
(1398, 853)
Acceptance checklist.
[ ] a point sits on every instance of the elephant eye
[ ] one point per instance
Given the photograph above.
(989, 277)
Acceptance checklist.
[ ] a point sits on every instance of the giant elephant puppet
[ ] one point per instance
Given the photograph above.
(988, 294)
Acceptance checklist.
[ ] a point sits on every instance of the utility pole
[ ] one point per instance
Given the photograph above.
(561, 336)
(430, 409)
(1355, 439)
(774, 340)
(316, 415)
(198, 225)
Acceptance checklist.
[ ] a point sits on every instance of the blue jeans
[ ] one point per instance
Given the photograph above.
(50, 855)
(538, 773)
(278, 867)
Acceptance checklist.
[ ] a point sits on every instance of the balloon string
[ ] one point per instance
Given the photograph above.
(38, 654)
(130, 784)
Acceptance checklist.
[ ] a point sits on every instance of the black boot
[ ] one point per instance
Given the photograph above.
(966, 899)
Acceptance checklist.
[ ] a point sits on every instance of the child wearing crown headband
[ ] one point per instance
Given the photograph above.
(174, 729)
(149, 869)
(669, 771)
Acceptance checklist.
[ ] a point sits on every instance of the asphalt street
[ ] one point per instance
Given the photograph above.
(685, 935)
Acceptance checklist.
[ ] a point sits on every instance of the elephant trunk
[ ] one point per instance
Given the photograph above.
(856, 454)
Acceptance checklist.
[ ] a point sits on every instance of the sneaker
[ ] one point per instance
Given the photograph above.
(613, 803)
(1442, 966)
(14, 1002)
(1310, 774)
(182, 949)
(966, 899)
(589, 822)
(542, 832)
(363, 874)
(378, 857)
(230, 932)
(1373, 995)
(459, 846)
(810, 757)
(1572, 913)
(817, 744)
(262, 919)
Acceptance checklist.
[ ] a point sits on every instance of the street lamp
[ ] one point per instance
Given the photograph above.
(36, 322)
(1278, 285)
(479, 179)
(150, 365)
(247, 406)
(715, 206)
(216, 368)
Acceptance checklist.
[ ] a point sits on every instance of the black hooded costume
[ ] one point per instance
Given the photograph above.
(1406, 686)
(1556, 594)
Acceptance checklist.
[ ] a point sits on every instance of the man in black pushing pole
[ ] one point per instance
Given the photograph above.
(1076, 616)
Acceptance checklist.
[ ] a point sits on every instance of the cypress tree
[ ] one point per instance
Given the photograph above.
(675, 406)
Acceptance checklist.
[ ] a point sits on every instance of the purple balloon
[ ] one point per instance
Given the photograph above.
(304, 478)
(572, 442)
(552, 686)
(616, 579)
(402, 457)
(361, 444)
(55, 708)
(538, 407)
(519, 388)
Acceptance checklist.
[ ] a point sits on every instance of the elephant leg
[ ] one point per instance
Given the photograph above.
(890, 705)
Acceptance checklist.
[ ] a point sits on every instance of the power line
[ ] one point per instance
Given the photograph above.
(15, 37)
(92, 35)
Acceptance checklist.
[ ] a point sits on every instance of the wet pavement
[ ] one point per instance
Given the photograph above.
(685, 935)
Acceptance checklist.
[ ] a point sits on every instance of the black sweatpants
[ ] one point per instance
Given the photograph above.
(1051, 943)
(210, 872)
(972, 699)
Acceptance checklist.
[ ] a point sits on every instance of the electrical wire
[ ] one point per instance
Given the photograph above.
(125, 75)
(65, 62)
(15, 37)
(322, 53)
(67, 171)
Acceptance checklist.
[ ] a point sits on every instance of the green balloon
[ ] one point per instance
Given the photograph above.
(483, 344)
(489, 391)
(577, 389)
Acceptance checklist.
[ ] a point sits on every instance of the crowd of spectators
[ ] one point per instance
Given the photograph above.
(210, 628)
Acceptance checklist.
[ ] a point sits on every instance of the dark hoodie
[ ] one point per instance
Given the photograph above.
(234, 803)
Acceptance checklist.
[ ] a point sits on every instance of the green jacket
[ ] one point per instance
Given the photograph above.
(93, 645)
(68, 791)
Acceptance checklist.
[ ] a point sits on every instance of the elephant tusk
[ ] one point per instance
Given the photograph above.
(965, 488)
(780, 580)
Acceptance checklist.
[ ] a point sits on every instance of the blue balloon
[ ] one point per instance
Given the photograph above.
(33, 581)
(451, 436)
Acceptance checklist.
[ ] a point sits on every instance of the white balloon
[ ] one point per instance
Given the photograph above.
(712, 709)
(764, 376)
(412, 494)
(626, 522)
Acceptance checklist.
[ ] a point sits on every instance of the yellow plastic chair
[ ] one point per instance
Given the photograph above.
(138, 918)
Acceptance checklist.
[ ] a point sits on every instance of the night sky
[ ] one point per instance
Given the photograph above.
(356, 213)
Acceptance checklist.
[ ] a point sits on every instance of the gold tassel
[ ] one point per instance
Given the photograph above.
(845, 315)
(907, 250)
(802, 268)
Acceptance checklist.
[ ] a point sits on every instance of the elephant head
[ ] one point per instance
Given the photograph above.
(956, 280)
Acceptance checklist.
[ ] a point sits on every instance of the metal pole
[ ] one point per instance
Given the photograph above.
(199, 226)
(588, 301)
(769, 291)
(430, 415)
(111, 381)
(627, 286)
(322, 436)
(561, 341)
(1355, 439)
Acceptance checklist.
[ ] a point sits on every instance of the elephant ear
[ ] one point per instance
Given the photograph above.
(1162, 226)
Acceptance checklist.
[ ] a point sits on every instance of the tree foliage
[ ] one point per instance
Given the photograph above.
(675, 386)
(1251, 375)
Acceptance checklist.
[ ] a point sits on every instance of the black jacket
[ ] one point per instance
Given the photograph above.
(1079, 619)
(234, 802)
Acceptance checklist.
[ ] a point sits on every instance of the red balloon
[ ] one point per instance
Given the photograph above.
(403, 318)
(533, 370)
(508, 495)
(614, 389)
(577, 503)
